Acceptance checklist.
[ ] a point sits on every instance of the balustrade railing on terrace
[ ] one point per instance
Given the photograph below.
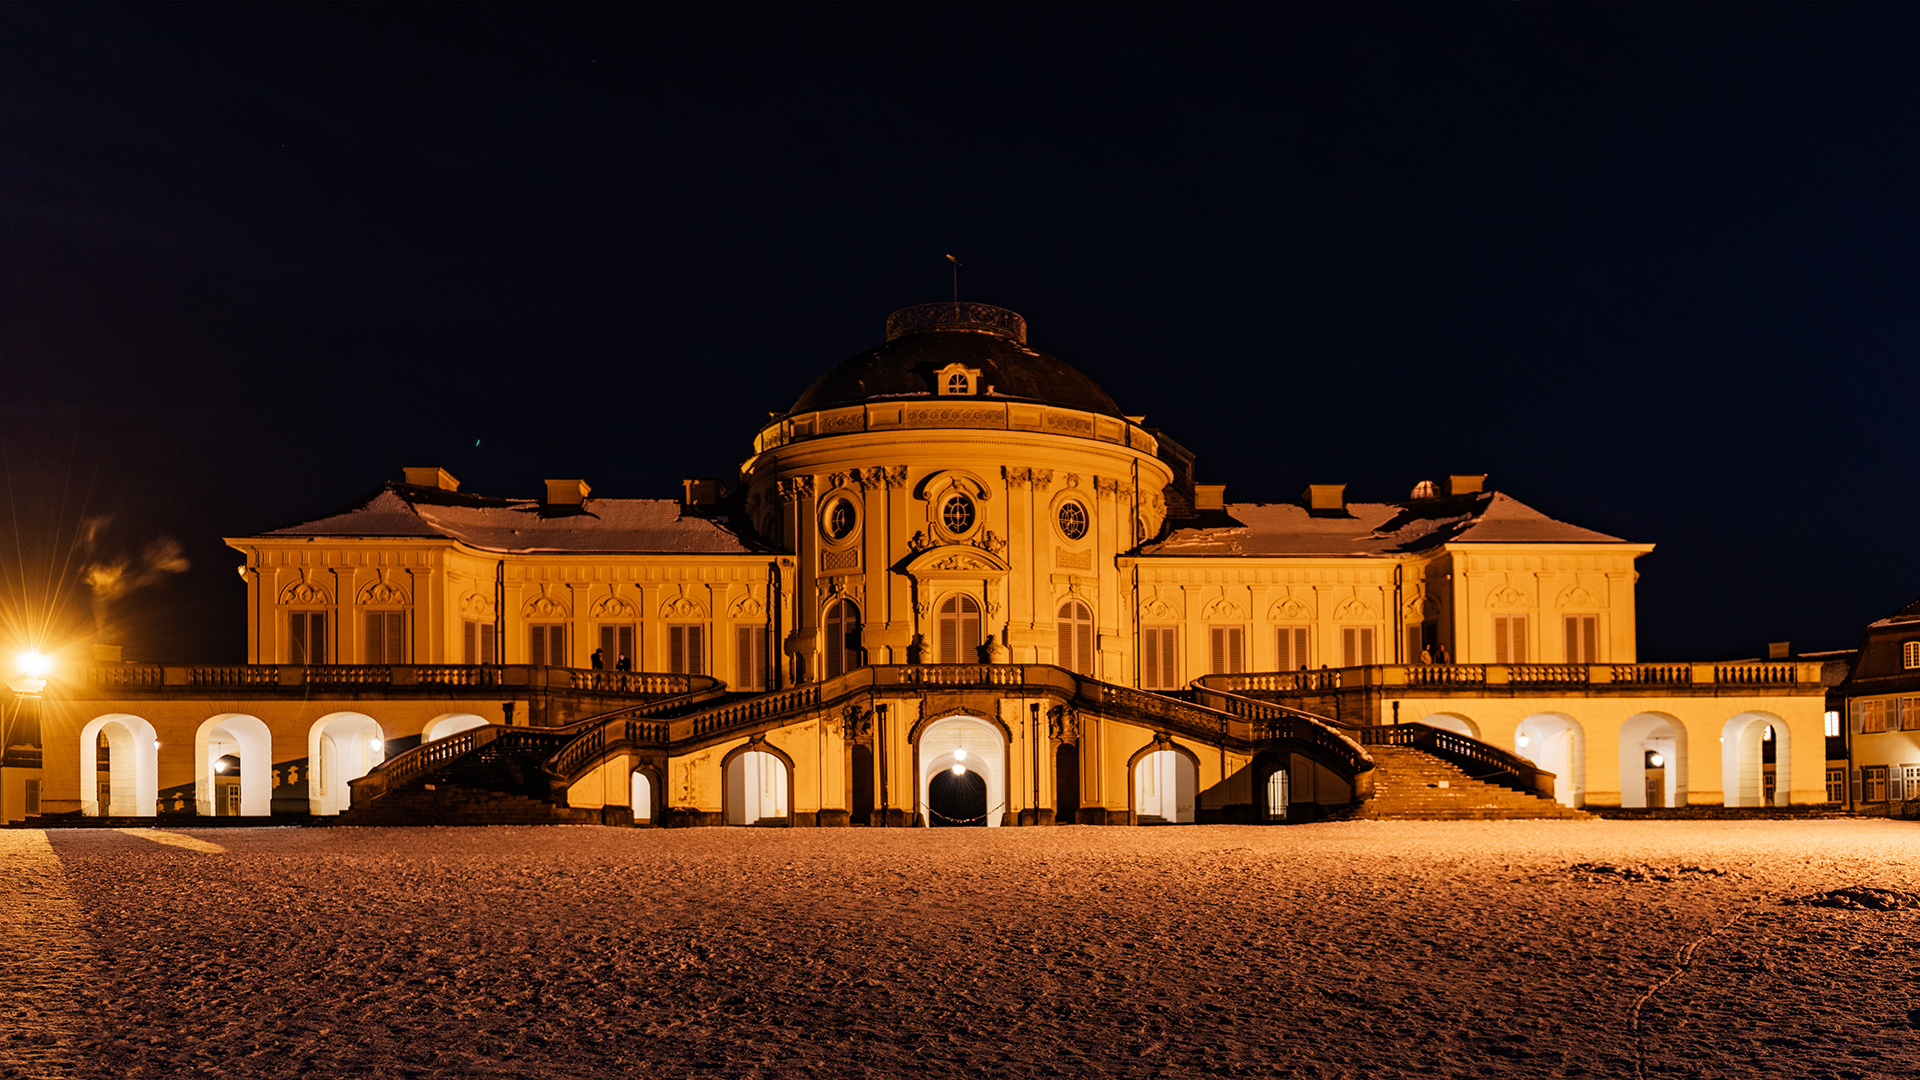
(400, 676)
(1476, 677)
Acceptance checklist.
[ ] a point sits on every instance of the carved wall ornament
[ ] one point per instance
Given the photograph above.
(614, 607)
(1577, 596)
(987, 541)
(1508, 596)
(1353, 608)
(796, 488)
(305, 593)
(1063, 723)
(542, 606)
(1158, 609)
(1016, 478)
(381, 594)
(476, 606)
(1115, 488)
(1289, 609)
(960, 562)
(1223, 609)
(918, 542)
(1073, 480)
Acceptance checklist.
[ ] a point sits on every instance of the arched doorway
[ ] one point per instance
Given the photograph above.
(979, 750)
(451, 724)
(220, 740)
(1755, 756)
(1272, 788)
(1555, 742)
(1653, 761)
(121, 780)
(756, 789)
(640, 798)
(957, 798)
(1453, 722)
(860, 785)
(1066, 784)
(341, 748)
(959, 630)
(1164, 784)
(842, 638)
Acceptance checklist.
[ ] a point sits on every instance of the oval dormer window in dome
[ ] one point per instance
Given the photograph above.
(840, 520)
(1073, 520)
(956, 513)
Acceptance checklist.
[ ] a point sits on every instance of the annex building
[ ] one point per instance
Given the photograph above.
(955, 583)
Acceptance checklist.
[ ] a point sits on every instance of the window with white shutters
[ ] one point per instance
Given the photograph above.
(686, 649)
(1226, 650)
(843, 638)
(1074, 623)
(307, 637)
(1356, 646)
(1290, 649)
(1582, 634)
(750, 657)
(386, 637)
(547, 644)
(1509, 639)
(959, 630)
(1159, 670)
(476, 642)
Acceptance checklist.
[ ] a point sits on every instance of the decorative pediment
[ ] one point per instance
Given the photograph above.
(476, 606)
(1509, 597)
(746, 608)
(1159, 610)
(614, 607)
(305, 594)
(682, 607)
(957, 561)
(1223, 610)
(542, 606)
(1353, 609)
(1289, 609)
(381, 594)
(1577, 595)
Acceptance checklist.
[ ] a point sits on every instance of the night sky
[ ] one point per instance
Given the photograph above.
(1655, 269)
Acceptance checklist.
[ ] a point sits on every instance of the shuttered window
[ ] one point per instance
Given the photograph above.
(1509, 639)
(307, 637)
(749, 658)
(959, 630)
(1290, 649)
(1583, 638)
(386, 637)
(617, 641)
(476, 642)
(686, 650)
(1873, 716)
(547, 644)
(1159, 670)
(1074, 622)
(1356, 646)
(1226, 650)
(843, 638)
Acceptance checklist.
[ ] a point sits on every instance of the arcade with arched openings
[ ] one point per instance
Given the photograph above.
(1272, 788)
(1166, 781)
(226, 746)
(1754, 752)
(451, 724)
(1454, 722)
(963, 772)
(758, 786)
(640, 796)
(341, 748)
(1653, 761)
(127, 750)
(1556, 742)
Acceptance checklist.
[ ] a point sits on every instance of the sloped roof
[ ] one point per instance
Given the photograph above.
(1908, 614)
(650, 526)
(1374, 529)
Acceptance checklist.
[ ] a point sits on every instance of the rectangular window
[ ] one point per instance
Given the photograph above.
(1873, 715)
(1833, 723)
(616, 641)
(749, 658)
(547, 645)
(476, 642)
(1909, 781)
(1290, 650)
(1158, 668)
(1583, 638)
(307, 637)
(1356, 646)
(386, 637)
(686, 650)
(1509, 639)
(1910, 654)
(1836, 785)
(1873, 783)
(1909, 714)
(1226, 649)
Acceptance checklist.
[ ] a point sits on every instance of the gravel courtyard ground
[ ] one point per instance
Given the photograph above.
(1342, 950)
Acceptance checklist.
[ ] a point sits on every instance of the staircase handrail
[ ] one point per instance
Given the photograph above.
(1479, 760)
(411, 764)
(1277, 722)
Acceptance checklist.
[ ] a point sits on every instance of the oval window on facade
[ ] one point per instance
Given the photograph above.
(1073, 520)
(841, 518)
(957, 513)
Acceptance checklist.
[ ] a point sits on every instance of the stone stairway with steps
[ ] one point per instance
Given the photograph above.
(1410, 785)
(447, 804)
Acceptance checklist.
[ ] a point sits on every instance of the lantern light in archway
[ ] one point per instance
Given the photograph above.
(1522, 740)
(1655, 760)
(960, 755)
(958, 770)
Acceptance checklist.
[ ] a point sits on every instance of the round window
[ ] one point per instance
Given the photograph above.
(957, 513)
(1073, 520)
(840, 520)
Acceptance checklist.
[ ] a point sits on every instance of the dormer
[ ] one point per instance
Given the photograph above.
(957, 380)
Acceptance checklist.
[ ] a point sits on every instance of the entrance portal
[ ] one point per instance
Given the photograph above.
(957, 798)
(977, 750)
(1163, 788)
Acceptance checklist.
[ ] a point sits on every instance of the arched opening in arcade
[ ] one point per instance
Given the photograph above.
(640, 797)
(757, 787)
(1653, 761)
(1754, 759)
(1454, 722)
(1066, 784)
(451, 724)
(1556, 743)
(963, 773)
(341, 748)
(860, 784)
(119, 767)
(1272, 788)
(229, 744)
(1166, 780)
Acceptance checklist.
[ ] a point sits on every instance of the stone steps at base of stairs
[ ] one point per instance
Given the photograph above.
(1407, 787)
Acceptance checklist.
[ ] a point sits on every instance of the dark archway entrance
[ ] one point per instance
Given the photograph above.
(957, 799)
(860, 799)
(1066, 784)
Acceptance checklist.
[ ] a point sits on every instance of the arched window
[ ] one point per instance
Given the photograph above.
(843, 638)
(957, 384)
(1075, 623)
(959, 630)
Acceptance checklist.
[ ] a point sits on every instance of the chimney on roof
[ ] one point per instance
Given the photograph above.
(567, 492)
(1325, 500)
(1466, 483)
(1779, 650)
(431, 476)
(702, 492)
(1209, 496)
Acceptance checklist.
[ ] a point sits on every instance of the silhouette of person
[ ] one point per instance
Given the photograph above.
(598, 661)
(623, 664)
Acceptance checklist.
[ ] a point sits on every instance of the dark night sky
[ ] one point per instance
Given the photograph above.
(1653, 268)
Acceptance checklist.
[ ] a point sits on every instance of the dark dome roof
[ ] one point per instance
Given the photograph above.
(921, 340)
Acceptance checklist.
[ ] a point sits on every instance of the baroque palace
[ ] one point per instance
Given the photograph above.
(954, 584)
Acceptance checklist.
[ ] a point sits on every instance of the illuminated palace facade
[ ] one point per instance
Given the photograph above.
(955, 582)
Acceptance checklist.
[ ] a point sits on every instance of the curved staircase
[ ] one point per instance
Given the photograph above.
(1412, 785)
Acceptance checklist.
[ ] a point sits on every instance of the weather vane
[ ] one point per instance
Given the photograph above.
(956, 278)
